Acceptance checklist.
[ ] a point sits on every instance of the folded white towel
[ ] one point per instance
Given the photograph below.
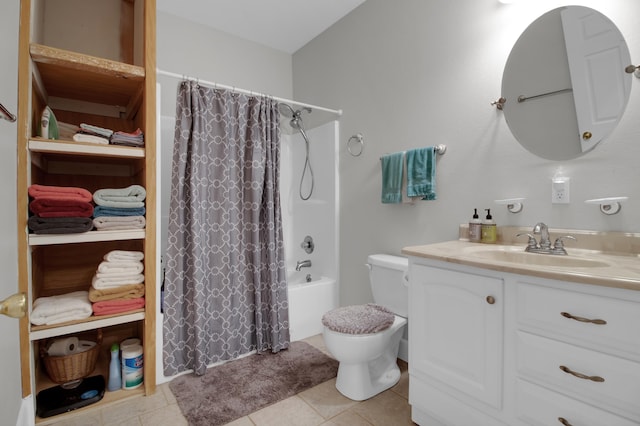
(96, 129)
(119, 222)
(130, 197)
(109, 268)
(62, 308)
(123, 256)
(81, 137)
(107, 281)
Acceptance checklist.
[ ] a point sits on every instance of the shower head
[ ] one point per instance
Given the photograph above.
(295, 122)
(286, 110)
(289, 112)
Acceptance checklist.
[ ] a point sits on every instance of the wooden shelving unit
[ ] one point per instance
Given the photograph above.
(116, 93)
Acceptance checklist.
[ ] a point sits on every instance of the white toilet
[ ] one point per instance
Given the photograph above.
(365, 338)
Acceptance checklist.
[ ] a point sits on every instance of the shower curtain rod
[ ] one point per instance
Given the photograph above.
(246, 92)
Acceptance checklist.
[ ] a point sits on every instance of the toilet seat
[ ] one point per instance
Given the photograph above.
(359, 319)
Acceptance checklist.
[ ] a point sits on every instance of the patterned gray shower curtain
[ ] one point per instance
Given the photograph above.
(225, 281)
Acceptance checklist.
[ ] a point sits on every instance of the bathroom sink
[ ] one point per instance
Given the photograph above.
(517, 255)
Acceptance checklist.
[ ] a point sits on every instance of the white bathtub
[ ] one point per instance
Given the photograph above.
(308, 301)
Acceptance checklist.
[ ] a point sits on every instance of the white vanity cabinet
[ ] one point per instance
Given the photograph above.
(497, 348)
(579, 344)
(456, 342)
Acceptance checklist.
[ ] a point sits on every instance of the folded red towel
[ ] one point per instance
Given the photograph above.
(117, 306)
(60, 192)
(53, 207)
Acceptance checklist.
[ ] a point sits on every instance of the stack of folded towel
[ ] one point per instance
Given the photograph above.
(118, 284)
(100, 135)
(119, 208)
(135, 139)
(59, 210)
(62, 308)
(93, 134)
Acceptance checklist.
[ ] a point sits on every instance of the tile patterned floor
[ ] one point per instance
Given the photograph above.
(320, 405)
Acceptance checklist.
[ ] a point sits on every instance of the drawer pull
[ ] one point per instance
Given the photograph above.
(491, 300)
(581, 319)
(580, 375)
(564, 421)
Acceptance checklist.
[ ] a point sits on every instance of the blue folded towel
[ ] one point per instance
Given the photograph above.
(421, 173)
(100, 211)
(392, 177)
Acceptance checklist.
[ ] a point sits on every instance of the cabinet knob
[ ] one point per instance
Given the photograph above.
(491, 300)
(564, 421)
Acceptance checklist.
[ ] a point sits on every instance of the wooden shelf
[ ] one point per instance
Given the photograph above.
(81, 77)
(50, 146)
(110, 93)
(86, 237)
(102, 368)
(47, 331)
(109, 399)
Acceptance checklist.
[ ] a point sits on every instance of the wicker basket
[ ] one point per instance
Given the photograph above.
(63, 369)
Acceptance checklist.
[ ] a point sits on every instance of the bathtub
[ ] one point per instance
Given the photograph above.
(308, 301)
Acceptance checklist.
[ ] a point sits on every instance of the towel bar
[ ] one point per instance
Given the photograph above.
(438, 149)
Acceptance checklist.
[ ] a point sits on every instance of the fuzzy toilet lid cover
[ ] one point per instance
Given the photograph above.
(359, 319)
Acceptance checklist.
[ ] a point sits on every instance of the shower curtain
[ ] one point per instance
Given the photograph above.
(225, 280)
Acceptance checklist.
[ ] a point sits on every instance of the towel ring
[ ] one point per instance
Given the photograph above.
(353, 141)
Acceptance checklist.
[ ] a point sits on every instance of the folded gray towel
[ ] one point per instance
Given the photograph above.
(59, 225)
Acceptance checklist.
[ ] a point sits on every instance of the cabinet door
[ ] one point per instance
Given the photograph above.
(455, 330)
(10, 391)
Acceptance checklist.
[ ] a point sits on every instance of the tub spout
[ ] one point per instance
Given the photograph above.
(303, 264)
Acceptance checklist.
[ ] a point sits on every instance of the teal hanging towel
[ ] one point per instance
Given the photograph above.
(392, 177)
(421, 173)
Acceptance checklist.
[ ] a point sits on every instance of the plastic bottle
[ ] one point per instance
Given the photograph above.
(132, 367)
(115, 379)
(489, 229)
(475, 228)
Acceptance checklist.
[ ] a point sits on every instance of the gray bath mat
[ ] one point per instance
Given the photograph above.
(240, 387)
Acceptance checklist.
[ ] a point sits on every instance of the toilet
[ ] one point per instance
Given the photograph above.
(365, 339)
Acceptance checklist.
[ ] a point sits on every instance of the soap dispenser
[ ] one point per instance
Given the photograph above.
(489, 229)
(475, 228)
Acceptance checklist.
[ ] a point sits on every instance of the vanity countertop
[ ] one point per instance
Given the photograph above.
(587, 266)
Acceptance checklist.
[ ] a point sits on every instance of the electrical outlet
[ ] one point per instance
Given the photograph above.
(560, 191)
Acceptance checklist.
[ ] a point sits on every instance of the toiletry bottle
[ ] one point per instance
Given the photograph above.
(115, 378)
(489, 230)
(475, 228)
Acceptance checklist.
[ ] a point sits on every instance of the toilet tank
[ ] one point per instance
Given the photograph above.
(388, 282)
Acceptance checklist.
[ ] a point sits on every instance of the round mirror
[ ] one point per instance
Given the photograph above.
(565, 83)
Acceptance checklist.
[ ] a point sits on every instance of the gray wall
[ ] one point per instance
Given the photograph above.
(414, 73)
(184, 47)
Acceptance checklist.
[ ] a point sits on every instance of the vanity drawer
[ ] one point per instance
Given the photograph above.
(582, 318)
(540, 360)
(538, 406)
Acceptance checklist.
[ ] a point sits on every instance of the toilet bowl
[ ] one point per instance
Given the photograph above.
(365, 339)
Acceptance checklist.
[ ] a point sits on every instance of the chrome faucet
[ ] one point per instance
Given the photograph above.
(544, 246)
(303, 264)
(543, 230)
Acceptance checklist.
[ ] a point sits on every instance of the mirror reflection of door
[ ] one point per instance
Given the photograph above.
(596, 64)
(575, 90)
